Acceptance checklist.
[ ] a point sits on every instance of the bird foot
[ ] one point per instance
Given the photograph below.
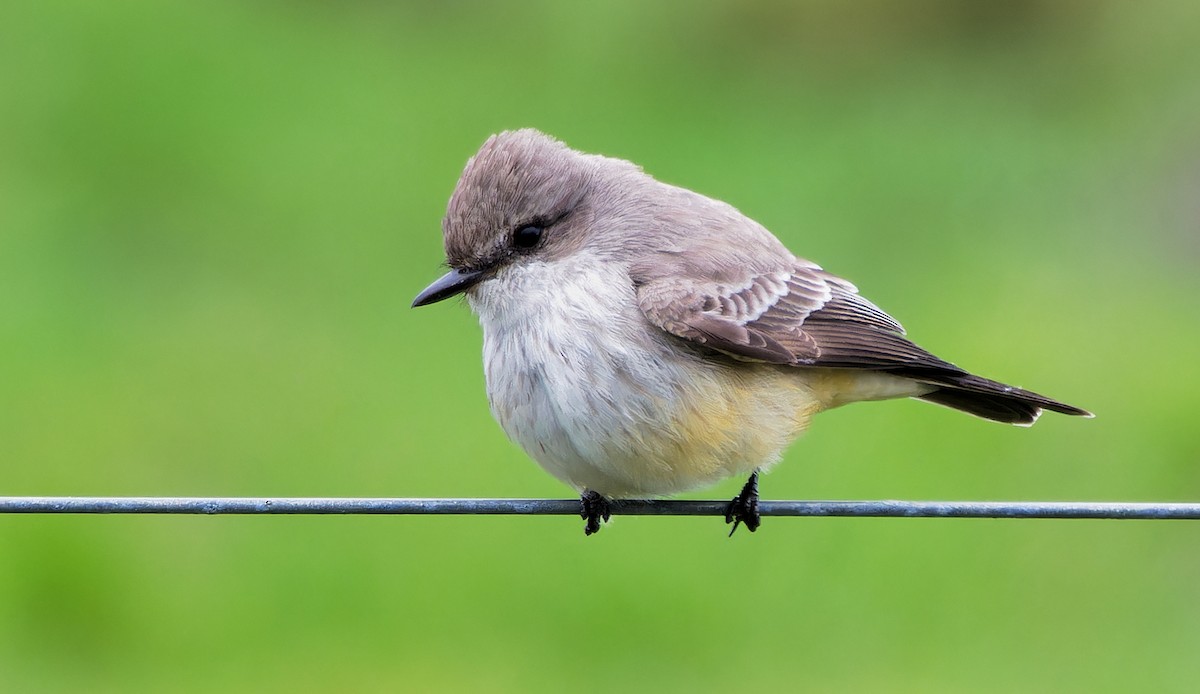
(593, 508)
(744, 507)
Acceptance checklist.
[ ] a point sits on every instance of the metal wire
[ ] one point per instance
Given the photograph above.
(570, 507)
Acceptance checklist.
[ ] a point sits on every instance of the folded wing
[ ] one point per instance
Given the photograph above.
(806, 317)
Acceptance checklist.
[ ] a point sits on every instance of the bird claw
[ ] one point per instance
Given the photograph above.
(743, 508)
(593, 508)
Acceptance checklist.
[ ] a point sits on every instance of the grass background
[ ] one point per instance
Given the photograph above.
(213, 217)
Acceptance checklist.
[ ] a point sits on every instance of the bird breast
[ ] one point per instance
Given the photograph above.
(605, 401)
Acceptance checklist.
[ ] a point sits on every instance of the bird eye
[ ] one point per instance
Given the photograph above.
(527, 236)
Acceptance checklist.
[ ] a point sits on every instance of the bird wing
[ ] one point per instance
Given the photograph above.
(799, 315)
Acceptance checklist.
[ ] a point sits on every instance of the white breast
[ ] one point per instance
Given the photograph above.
(603, 401)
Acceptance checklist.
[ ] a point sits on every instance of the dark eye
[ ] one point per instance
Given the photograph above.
(527, 236)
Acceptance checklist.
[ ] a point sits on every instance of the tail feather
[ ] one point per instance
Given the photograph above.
(992, 400)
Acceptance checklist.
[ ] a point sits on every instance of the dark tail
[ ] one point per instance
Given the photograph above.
(992, 400)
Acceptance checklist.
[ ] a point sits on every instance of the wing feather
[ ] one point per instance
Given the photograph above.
(802, 316)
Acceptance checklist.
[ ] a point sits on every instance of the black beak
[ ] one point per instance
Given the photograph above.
(448, 285)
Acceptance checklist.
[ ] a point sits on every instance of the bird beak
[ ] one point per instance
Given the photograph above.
(448, 285)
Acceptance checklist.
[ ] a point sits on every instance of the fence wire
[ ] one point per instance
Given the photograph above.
(570, 507)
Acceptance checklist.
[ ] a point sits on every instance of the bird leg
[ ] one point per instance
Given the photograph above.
(744, 507)
(593, 508)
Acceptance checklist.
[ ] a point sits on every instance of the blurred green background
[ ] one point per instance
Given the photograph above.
(213, 217)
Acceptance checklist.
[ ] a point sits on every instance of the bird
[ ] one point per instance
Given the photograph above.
(642, 340)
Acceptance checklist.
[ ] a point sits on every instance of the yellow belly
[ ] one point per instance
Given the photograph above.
(726, 422)
(730, 423)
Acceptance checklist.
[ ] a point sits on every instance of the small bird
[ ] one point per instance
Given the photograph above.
(640, 339)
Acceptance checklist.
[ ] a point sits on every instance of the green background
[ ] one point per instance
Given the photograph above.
(213, 217)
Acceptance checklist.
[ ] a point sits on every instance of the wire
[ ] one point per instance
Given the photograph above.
(570, 507)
